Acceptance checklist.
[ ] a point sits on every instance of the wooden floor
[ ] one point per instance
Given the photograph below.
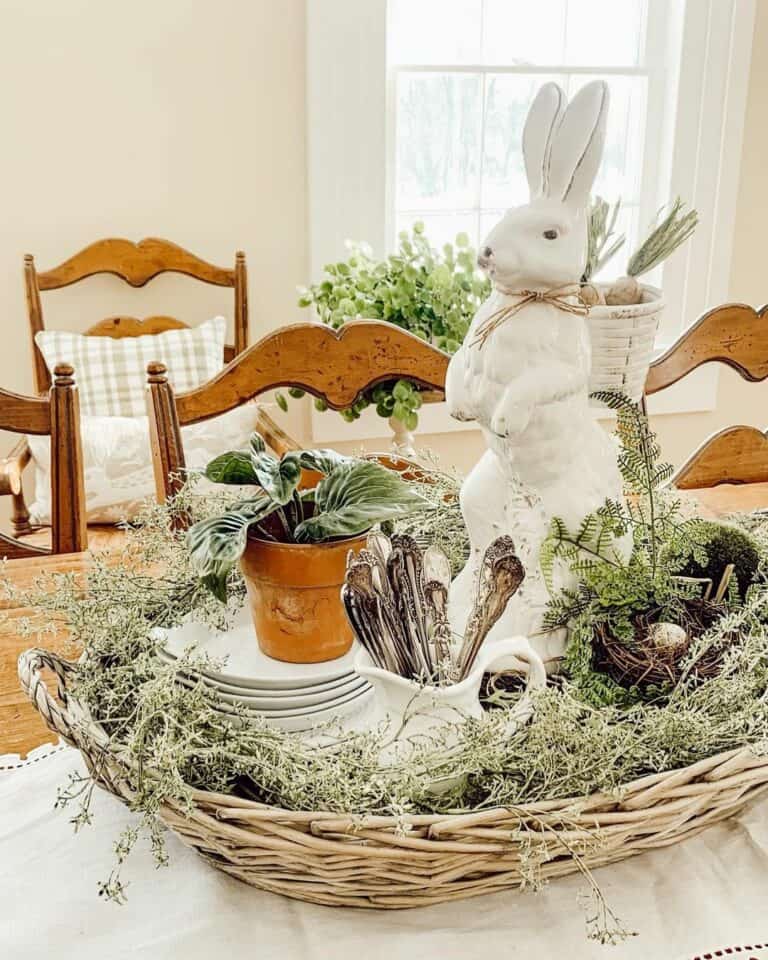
(21, 728)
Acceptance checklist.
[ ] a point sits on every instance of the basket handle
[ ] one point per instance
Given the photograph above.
(55, 713)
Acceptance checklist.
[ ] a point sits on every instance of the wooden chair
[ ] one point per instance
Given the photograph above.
(333, 365)
(737, 335)
(136, 264)
(57, 415)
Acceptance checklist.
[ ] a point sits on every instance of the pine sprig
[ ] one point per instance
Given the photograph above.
(671, 231)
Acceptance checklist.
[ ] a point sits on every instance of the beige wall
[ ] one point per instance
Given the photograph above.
(186, 120)
(171, 118)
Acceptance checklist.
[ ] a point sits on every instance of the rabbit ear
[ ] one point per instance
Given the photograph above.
(577, 146)
(541, 123)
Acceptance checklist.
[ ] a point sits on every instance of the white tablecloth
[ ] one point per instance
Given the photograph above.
(709, 892)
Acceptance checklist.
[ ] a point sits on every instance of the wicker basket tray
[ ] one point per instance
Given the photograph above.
(387, 862)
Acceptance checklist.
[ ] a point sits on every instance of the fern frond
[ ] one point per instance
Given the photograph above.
(566, 607)
(662, 473)
(613, 399)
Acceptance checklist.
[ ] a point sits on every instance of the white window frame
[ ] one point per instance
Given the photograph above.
(350, 139)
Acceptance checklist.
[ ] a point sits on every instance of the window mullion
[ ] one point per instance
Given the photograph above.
(525, 68)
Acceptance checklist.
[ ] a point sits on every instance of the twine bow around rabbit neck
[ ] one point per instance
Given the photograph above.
(557, 296)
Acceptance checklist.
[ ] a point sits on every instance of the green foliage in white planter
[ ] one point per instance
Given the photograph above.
(351, 497)
(432, 294)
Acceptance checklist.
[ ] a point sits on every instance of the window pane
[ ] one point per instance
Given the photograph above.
(488, 220)
(458, 135)
(577, 32)
(621, 168)
(520, 32)
(438, 141)
(440, 228)
(600, 33)
(507, 99)
(434, 31)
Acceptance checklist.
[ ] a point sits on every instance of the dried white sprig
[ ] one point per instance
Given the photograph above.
(176, 739)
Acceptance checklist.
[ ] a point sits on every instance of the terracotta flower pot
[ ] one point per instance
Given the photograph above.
(295, 596)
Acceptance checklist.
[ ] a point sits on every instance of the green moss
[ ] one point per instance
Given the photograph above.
(724, 544)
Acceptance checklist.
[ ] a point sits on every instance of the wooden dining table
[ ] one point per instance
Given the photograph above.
(22, 729)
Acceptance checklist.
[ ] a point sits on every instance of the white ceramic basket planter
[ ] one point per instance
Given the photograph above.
(623, 338)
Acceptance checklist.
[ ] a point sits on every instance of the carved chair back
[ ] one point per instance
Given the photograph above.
(737, 335)
(58, 416)
(336, 366)
(136, 264)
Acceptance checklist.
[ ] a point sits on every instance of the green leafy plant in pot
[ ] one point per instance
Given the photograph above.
(431, 293)
(292, 539)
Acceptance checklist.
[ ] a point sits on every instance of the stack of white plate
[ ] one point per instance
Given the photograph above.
(294, 696)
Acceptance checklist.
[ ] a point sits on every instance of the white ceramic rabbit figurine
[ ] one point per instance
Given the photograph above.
(522, 371)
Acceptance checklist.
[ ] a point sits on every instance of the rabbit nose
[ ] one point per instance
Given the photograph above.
(484, 258)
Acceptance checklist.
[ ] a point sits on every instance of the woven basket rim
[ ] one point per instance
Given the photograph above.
(649, 307)
(96, 737)
(394, 862)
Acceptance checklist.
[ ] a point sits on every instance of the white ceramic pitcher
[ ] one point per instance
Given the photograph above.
(413, 711)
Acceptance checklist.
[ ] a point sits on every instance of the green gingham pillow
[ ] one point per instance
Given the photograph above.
(111, 375)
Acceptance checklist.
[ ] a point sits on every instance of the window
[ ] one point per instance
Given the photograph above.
(415, 111)
(462, 75)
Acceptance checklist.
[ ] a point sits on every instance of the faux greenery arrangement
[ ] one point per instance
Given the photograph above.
(637, 564)
(433, 294)
(351, 496)
(174, 740)
(672, 229)
(602, 241)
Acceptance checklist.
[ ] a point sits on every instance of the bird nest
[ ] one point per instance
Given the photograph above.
(645, 662)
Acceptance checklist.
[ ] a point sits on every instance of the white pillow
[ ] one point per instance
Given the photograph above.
(111, 374)
(118, 462)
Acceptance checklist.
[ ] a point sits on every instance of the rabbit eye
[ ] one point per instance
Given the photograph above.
(550, 234)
